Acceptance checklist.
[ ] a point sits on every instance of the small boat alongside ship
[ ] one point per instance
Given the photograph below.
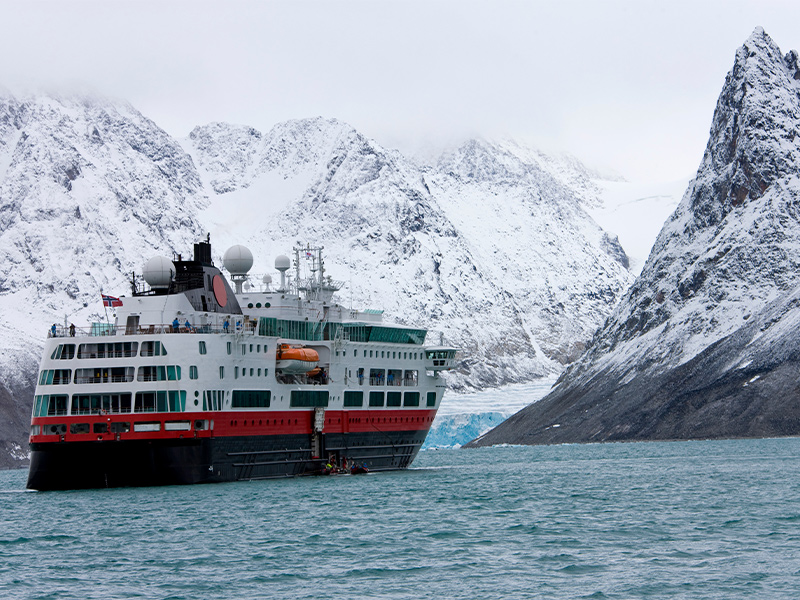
(198, 382)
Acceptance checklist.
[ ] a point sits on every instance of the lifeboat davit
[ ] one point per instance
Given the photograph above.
(295, 359)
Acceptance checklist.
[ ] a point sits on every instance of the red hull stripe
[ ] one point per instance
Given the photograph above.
(142, 426)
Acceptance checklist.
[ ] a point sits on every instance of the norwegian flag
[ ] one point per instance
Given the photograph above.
(111, 302)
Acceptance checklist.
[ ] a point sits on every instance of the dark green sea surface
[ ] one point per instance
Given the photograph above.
(717, 519)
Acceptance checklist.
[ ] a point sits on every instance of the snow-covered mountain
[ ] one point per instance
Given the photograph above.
(704, 343)
(490, 247)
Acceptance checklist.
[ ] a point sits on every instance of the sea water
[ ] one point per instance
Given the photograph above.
(711, 519)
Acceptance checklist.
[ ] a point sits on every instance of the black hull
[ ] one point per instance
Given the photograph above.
(99, 464)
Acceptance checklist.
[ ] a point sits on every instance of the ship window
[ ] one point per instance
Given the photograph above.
(376, 376)
(360, 375)
(159, 373)
(259, 372)
(251, 348)
(236, 372)
(393, 354)
(411, 399)
(104, 375)
(258, 348)
(229, 348)
(251, 398)
(55, 377)
(108, 350)
(100, 428)
(145, 402)
(202, 347)
(79, 428)
(120, 427)
(222, 372)
(177, 400)
(88, 404)
(370, 353)
(393, 398)
(192, 372)
(376, 398)
(308, 398)
(410, 378)
(383, 354)
(258, 304)
(63, 352)
(249, 305)
(154, 348)
(405, 355)
(355, 352)
(394, 377)
(50, 405)
(354, 398)
(251, 371)
(243, 349)
(431, 398)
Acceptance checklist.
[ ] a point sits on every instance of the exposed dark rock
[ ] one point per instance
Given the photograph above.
(717, 353)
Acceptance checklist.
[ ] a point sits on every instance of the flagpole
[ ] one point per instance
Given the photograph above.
(104, 307)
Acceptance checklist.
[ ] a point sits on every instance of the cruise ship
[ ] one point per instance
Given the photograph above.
(195, 381)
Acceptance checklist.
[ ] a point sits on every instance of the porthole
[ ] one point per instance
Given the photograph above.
(250, 305)
(267, 305)
(258, 304)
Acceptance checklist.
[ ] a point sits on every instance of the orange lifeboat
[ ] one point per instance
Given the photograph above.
(295, 359)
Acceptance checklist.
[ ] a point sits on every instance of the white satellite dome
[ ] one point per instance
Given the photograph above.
(158, 272)
(237, 260)
(267, 279)
(282, 263)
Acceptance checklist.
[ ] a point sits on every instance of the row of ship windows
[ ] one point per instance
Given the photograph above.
(48, 405)
(390, 377)
(377, 377)
(108, 350)
(384, 354)
(125, 374)
(156, 348)
(201, 347)
(114, 374)
(87, 404)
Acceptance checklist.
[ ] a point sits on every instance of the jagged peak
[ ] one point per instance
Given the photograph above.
(753, 140)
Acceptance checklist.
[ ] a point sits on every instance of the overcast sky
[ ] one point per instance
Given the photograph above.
(629, 85)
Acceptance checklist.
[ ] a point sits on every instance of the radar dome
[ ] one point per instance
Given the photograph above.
(237, 260)
(267, 279)
(282, 263)
(158, 272)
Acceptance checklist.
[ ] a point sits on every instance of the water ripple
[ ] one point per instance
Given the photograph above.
(710, 520)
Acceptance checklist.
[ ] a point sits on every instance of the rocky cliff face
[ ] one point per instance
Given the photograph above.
(703, 343)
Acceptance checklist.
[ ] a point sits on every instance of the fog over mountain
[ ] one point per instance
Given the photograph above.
(705, 343)
(489, 246)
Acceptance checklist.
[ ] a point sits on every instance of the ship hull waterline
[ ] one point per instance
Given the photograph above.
(134, 463)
